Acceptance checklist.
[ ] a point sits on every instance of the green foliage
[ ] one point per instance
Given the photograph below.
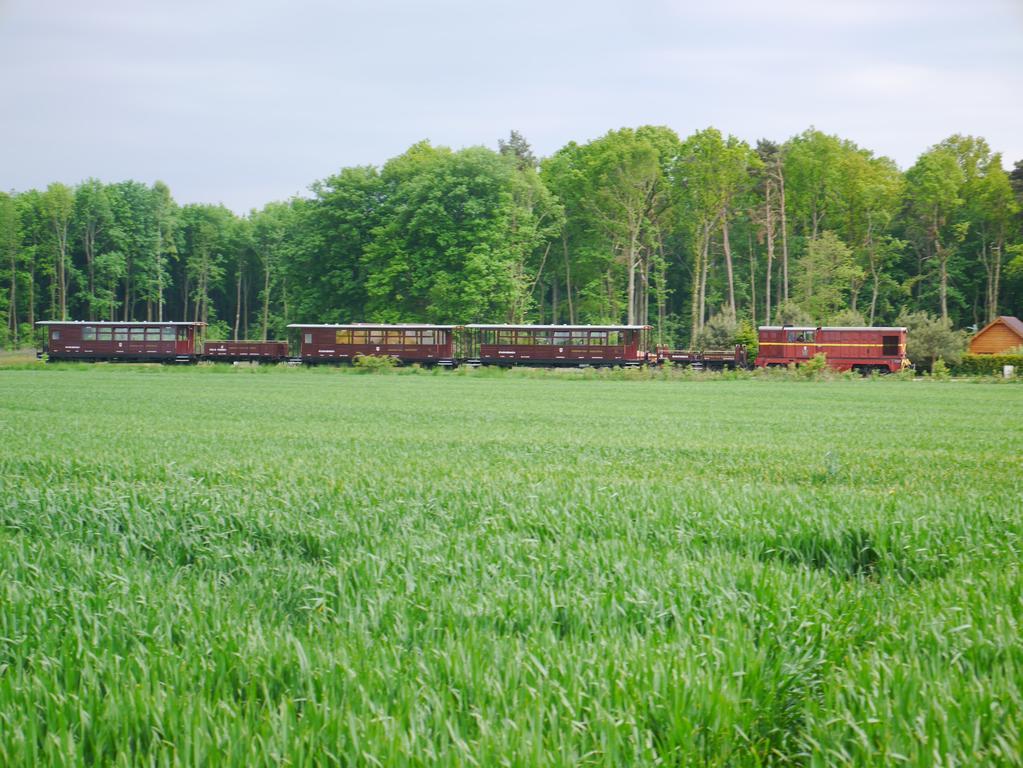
(939, 370)
(375, 363)
(825, 274)
(988, 365)
(637, 225)
(847, 317)
(719, 332)
(814, 368)
(929, 338)
(790, 313)
(463, 552)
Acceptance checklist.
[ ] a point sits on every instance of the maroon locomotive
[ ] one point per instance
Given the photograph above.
(129, 341)
(246, 351)
(554, 345)
(845, 348)
(425, 344)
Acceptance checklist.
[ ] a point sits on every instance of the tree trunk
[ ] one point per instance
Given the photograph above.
(728, 263)
(784, 235)
(554, 303)
(631, 255)
(238, 303)
(997, 257)
(568, 284)
(694, 308)
(752, 279)
(14, 297)
(266, 296)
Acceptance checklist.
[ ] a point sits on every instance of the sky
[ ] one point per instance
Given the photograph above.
(243, 102)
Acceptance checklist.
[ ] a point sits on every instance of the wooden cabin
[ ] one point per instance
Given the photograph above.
(1002, 334)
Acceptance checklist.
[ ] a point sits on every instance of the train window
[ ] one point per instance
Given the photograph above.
(393, 337)
(411, 338)
(580, 339)
(614, 338)
(889, 346)
(120, 334)
(104, 334)
(505, 337)
(152, 334)
(55, 335)
(343, 337)
(167, 334)
(427, 337)
(89, 333)
(598, 338)
(527, 338)
(137, 334)
(360, 337)
(308, 338)
(561, 338)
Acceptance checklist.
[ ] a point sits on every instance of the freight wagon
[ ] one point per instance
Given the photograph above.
(246, 351)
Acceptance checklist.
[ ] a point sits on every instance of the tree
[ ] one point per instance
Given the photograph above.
(92, 218)
(58, 207)
(929, 338)
(713, 172)
(517, 148)
(825, 273)
(933, 200)
(10, 243)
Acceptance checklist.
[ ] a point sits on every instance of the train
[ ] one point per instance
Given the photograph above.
(864, 349)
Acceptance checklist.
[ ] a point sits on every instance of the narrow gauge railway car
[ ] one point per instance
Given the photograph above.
(845, 348)
(557, 345)
(131, 341)
(424, 344)
(711, 359)
(246, 351)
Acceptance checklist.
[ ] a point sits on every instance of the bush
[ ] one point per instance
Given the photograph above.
(374, 363)
(929, 338)
(718, 333)
(847, 317)
(790, 313)
(939, 370)
(814, 368)
(988, 365)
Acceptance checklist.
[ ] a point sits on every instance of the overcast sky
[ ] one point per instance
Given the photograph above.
(248, 101)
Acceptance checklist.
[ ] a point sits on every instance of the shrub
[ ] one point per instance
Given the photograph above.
(374, 363)
(929, 338)
(814, 368)
(939, 370)
(988, 365)
(718, 333)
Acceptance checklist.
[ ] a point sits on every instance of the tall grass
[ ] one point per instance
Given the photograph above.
(304, 568)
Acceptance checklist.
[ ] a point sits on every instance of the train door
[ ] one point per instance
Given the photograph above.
(801, 344)
(185, 345)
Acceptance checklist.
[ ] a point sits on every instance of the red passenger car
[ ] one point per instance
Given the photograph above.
(139, 342)
(558, 344)
(427, 344)
(246, 351)
(845, 348)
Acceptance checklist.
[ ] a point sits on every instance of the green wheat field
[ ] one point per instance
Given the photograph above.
(218, 566)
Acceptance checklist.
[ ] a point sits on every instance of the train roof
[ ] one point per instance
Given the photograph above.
(154, 323)
(830, 328)
(375, 326)
(477, 326)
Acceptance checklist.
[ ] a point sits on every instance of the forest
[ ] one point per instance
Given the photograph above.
(702, 238)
